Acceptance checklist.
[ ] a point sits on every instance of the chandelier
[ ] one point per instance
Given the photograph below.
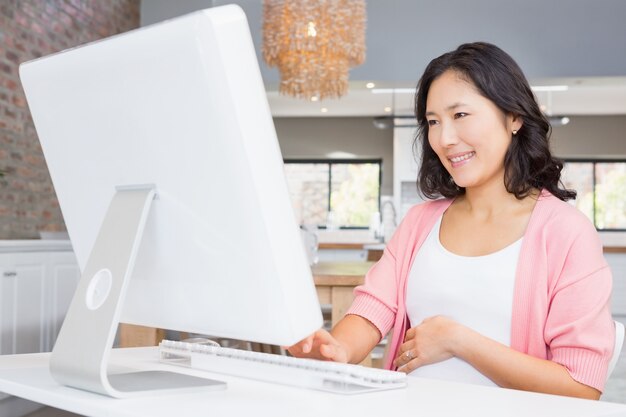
(314, 43)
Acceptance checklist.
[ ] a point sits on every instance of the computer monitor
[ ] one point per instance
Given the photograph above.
(164, 158)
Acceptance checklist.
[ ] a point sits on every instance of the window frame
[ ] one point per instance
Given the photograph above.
(595, 161)
(338, 161)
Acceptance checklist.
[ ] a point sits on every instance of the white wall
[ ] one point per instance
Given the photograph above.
(591, 136)
(316, 137)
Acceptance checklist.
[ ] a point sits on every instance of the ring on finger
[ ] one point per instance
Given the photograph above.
(408, 354)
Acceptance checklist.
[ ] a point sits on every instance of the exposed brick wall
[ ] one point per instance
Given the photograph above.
(30, 29)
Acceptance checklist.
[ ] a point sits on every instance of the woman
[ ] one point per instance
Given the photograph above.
(499, 282)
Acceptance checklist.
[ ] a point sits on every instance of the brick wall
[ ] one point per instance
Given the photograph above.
(30, 29)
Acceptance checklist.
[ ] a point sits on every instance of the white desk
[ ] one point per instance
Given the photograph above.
(27, 376)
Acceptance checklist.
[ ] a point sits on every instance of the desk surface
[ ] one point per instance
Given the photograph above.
(340, 273)
(27, 376)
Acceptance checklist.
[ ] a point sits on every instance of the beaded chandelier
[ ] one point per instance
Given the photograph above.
(314, 43)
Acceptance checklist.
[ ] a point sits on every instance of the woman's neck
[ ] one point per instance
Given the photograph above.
(491, 200)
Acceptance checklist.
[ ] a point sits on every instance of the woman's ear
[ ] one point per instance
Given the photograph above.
(515, 123)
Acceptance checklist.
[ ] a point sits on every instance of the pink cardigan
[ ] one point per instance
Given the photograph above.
(561, 305)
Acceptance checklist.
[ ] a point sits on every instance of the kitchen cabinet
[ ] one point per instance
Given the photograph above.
(36, 288)
(22, 294)
(37, 282)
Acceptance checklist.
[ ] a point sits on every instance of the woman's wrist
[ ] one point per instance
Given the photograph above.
(460, 339)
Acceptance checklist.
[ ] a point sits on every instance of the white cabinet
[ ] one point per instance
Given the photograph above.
(35, 291)
(22, 323)
(37, 282)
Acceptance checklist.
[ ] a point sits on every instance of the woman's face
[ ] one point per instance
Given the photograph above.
(467, 131)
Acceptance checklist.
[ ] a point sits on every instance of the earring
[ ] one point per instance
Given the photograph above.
(514, 132)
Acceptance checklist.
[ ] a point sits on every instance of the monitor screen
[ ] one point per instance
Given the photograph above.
(180, 105)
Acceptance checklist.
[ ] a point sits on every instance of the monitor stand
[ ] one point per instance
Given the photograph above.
(80, 355)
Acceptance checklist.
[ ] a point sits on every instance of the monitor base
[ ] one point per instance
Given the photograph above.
(80, 355)
(160, 382)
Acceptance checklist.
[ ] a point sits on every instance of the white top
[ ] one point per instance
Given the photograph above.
(475, 291)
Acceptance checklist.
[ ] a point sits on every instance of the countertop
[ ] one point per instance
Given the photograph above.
(340, 273)
(613, 242)
(34, 245)
(349, 245)
(47, 245)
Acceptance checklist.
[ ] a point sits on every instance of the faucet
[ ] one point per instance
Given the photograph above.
(393, 209)
(383, 218)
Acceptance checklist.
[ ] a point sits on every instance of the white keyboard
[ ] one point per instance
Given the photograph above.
(308, 373)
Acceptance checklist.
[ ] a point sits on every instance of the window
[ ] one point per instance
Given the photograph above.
(349, 189)
(601, 187)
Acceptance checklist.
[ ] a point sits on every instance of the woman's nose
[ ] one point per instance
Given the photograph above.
(448, 135)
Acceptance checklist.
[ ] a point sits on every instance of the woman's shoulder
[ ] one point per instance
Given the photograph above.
(426, 209)
(567, 240)
(560, 213)
(560, 218)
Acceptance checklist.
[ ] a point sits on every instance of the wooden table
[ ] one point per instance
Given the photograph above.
(335, 282)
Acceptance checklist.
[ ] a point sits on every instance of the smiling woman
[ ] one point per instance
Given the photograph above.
(470, 136)
(501, 282)
(510, 108)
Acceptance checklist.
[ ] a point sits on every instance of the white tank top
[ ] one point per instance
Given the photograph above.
(475, 291)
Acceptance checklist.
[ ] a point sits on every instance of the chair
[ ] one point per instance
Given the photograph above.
(619, 341)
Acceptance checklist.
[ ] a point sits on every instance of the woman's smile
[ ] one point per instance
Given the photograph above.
(461, 159)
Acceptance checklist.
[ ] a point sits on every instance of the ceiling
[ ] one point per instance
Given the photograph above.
(546, 39)
(584, 96)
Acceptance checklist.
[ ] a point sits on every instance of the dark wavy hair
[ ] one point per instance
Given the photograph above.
(528, 162)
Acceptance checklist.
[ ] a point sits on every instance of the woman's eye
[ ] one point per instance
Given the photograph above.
(432, 122)
(459, 115)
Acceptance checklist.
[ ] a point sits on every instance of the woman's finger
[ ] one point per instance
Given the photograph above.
(411, 365)
(404, 356)
(333, 352)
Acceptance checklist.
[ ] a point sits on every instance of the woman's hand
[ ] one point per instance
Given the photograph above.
(320, 345)
(439, 338)
(431, 341)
